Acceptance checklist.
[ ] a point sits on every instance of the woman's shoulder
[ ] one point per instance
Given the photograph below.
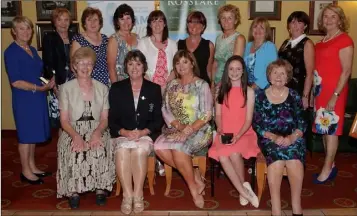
(99, 85)
(346, 39)
(69, 84)
(10, 49)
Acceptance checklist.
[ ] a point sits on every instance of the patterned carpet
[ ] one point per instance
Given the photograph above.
(16, 195)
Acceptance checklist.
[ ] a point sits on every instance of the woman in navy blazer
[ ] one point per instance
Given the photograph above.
(135, 121)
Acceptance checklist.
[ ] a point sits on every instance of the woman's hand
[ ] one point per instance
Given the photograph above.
(331, 103)
(285, 141)
(95, 139)
(78, 144)
(235, 139)
(254, 86)
(48, 86)
(130, 134)
(305, 103)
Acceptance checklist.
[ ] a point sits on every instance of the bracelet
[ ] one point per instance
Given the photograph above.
(336, 94)
(305, 95)
(34, 90)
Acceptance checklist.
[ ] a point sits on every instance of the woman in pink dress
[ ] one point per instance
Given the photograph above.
(234, 114)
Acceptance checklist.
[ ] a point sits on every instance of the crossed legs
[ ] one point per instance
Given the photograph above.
(295, 171)
(183, 163)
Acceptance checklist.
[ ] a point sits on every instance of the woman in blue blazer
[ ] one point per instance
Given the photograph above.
(259, 53)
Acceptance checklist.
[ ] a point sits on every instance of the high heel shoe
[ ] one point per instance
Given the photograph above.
(44, 174)
(200, 180)
(199, 201)
(126, 205)
(331, 176)
(138, 204)
(33, 182)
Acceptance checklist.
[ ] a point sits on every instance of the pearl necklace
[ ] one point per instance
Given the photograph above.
(332, 37)
(281, 94)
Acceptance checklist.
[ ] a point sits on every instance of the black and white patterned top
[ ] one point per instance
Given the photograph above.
(100, 70)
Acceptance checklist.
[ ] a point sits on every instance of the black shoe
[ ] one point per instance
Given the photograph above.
(33, 182)
(44, 174)
(74, 202)
(100, 199)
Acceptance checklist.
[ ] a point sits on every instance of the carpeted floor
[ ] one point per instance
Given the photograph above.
(16, 195)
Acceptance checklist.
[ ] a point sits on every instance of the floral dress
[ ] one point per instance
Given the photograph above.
(326, 77)
(186, 104)
(123, 49)
(87, 170)
(281, 119)
(161, 72)
(250, 68)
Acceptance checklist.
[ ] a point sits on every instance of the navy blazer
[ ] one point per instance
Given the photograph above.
(54, 57)
(122, 113)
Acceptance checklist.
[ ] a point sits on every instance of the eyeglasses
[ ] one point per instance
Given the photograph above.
(84, 64)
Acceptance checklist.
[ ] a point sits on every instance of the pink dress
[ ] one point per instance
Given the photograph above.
(233, 118)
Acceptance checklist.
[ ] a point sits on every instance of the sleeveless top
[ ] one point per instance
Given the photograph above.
(100, 70)
(202, 54)
(123, 49)
(224, 50)
(295, 56)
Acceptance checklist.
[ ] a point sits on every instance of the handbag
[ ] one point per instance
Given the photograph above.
(54, 113)
(353, 130)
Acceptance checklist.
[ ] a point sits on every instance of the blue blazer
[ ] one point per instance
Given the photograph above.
(266, 54)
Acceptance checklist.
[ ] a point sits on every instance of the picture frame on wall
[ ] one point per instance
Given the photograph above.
(42, 28)
(268, 9)
(273, 30)
(9, 10)
(44, 9)
(314, 11)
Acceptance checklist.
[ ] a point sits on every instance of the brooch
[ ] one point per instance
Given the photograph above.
(143, 97)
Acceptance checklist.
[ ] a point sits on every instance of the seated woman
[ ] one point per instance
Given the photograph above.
(83, 160)
(187, 110)
(135, 121)
(234, 114)
(279, 123)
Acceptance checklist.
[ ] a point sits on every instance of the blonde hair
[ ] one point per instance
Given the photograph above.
(83, 53)
(265, 22)
(230, 8)
(21, 19)
(344, 24)
(280, 63)
(59, 12)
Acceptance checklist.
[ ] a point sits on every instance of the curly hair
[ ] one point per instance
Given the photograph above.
(230, 8)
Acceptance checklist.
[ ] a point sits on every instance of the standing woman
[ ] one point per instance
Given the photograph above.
(259, 53)
(135, 121)
(121, 42)
(334, 56)
(202, 49)
(92, 22)
(158, 49)
(299, 51)
(29, 102)
(55, 55)
(229, 42)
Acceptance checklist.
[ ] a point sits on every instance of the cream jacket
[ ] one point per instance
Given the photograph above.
(71, 100)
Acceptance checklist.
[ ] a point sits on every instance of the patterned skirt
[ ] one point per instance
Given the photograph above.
(144, 142)
(84, 171)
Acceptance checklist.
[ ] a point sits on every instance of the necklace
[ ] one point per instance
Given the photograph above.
(257, 47)
(333, 36)
(26, 48)
(281, 94)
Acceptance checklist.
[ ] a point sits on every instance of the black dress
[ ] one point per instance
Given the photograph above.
(202, 54)
(295, 56)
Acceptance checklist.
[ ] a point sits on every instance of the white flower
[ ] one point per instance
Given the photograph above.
(317, 78)
(324, 119)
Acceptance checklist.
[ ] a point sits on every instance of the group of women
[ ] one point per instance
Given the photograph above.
(162, 94)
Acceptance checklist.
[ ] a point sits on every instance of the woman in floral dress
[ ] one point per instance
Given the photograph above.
(187, 109)
(333, 60)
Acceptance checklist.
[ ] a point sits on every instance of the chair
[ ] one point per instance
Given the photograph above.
(199, 161)
(150, 175)
(261, 174)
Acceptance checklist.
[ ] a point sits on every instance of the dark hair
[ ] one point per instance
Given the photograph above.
(197, 16)
(135, 55)
(187, 55)
(226, 83)
(88, 12)
(300, 16)
(155, 15)
(120, 12)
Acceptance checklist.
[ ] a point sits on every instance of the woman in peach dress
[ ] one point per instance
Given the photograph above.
(234, 113)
